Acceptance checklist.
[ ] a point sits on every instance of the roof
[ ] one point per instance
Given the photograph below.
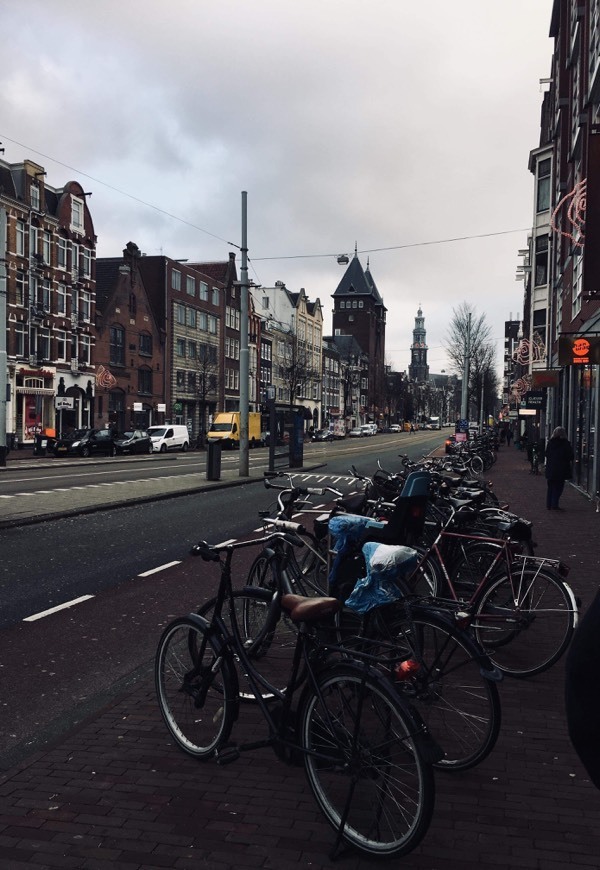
(358, 282)
(107, 275)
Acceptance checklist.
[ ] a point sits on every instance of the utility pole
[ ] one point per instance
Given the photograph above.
(244, 361)
(464, 407)
(3, 356)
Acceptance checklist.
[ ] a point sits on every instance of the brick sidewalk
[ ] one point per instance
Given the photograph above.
(116, 795)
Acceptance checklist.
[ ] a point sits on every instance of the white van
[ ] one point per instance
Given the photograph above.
(169, 437)
(369, 428)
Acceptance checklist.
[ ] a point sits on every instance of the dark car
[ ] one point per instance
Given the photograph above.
(322, 435)
(86, 442)
(136, 441)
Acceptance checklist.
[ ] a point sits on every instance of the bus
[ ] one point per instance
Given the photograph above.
(434, 422)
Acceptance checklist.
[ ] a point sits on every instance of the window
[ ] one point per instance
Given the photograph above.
(77, 211)
(180, 379)
(191, 382)
(33, 241)
(84, 350)
(34, 193)
(342, 304)
(203, 321)
(180, 314)
(44, 344)
(47, 248)
(46, 288)
(21, 238)
(192, 349)
(212, 324)
(180, 346)
(145, 344)
(20, 288)
(203, 291)
(543, 185)
(74, 302)
(176, 280)
(361, 304)
(62, 249)
(541, 260)
(215, 296)
(85, 305)
(190, 285)
(20, 339)
(145, 381)
(191, 317)
(265, 302)
(61, 299)
(117, 346)
(86, 262)
(61, 345)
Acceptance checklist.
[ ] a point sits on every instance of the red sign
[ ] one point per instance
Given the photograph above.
(578, 350)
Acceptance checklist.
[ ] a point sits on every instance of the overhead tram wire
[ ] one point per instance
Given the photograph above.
(233, 244)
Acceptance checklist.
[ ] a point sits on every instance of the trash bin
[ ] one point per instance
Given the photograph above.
(213, 461)
(40, 445)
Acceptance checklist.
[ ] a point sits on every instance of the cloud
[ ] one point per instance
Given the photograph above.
(385, 124)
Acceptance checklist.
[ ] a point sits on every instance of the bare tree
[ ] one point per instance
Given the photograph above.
(481, 351)
(296, 370)
(207, 383)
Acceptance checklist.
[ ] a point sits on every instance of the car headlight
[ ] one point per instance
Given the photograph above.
(75, 443)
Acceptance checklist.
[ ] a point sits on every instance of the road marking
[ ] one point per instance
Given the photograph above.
(6, 496)
(57, 608)
(160, 568)
(226, 543)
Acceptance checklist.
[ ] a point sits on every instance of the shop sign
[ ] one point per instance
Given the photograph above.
(536, 399)
(578, 350)
(544, 378)
(64, 403)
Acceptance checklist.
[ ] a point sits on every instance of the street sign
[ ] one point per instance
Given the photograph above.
(64, 403)
(138, 406)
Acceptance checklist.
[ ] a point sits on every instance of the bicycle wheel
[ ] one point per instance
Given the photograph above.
(450, 683)
(525, 622)
(476, 463)
(363, 763)
(196, 687)
(268, 638)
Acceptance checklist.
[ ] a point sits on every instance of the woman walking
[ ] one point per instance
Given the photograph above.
(559, 456)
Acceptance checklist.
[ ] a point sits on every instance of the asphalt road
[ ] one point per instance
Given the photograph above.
(124, 572)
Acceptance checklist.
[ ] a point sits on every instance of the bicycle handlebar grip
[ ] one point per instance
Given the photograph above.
(287, 526)
(205, 551)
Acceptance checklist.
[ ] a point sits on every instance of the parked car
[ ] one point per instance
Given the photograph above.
(86, 442)
(357, 432)
(169, 437)
(322, 435)
(136, 441)
(395, 427)
(369, 428)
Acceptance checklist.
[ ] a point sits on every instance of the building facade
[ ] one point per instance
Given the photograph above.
(50, 286)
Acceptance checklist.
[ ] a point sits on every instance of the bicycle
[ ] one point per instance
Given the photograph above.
(519, 607)
(365, 752)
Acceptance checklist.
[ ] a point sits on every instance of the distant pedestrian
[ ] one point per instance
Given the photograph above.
(582, 691)
(559, 458)
(412, 428)
(509, 435)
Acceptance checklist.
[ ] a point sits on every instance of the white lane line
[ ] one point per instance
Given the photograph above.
(160, 568)
(57, 608)
(6, 496)
(225, 543)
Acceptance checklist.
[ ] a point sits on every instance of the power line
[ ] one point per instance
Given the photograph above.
(121, 192)
(233, 244)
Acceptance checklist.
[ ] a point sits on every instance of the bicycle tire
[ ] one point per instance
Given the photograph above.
(476, 464)
(197, 691)
(525, 625)
(363, 763)
(269, 639)
(453, 687)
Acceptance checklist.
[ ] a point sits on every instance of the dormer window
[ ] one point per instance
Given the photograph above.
(34, 193)
(77, 212)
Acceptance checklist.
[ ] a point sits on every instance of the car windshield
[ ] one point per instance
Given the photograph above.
(157, 431)
(220, 427)
(103, 434)
(77, 433)
(127, 435)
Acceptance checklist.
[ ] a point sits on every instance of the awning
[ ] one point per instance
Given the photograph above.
(36, 391)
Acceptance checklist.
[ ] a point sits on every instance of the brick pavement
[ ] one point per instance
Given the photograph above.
(114, 794)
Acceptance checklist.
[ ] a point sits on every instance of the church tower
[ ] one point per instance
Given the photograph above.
(418, 369)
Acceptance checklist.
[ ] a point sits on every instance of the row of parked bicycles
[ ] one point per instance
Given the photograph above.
(372, 631)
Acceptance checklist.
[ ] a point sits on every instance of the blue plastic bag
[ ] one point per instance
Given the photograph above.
(347, 530)
(385, 563)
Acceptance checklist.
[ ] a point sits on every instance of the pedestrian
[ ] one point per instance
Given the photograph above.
(509, 435)
(559, 456)
(582, 691)
(412, 428)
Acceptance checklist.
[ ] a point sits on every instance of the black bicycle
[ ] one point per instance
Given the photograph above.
(366, 753)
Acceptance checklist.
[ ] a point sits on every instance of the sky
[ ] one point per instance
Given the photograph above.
(397, 128)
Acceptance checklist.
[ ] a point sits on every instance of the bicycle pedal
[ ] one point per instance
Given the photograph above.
(227, 754)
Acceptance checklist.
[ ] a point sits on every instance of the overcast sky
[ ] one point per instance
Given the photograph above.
(390, 124)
